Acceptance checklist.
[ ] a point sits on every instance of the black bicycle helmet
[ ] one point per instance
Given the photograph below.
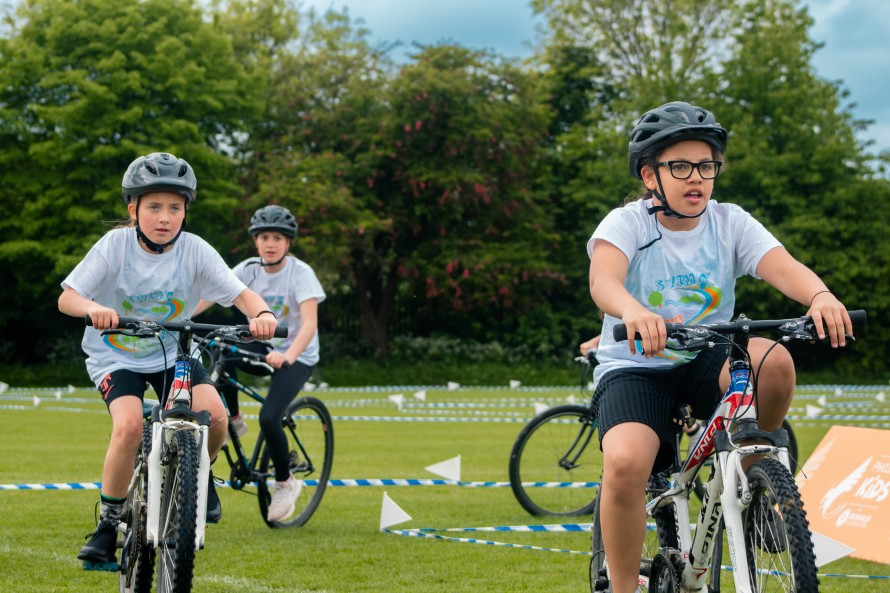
(273, 218)
(671, 123)
(159, 171)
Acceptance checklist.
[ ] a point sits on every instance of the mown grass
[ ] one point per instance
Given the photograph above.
(341, 549)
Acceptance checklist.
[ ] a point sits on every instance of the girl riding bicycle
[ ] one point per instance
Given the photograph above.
(292, 291)
(674, 255)
(152, 270)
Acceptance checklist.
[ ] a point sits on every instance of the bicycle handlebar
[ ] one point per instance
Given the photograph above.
(799, 328)
(131, 323)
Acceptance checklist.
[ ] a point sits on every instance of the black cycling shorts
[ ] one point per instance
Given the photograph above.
(125, 382)
(652, 397)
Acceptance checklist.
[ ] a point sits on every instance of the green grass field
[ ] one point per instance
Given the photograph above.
(341, 549)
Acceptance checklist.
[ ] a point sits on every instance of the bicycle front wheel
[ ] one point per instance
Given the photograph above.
(179, 513)
(554, 461)
(778, 542)
(310, 438)
(137, 555)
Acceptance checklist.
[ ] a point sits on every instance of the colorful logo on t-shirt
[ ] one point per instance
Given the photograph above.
(158, 305)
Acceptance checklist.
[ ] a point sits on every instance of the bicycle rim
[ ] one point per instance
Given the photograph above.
(554, 460)
(310, 442)
(778, 544)
(137, 555)
(178, 521)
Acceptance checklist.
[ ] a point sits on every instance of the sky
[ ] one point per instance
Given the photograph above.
(855, 34)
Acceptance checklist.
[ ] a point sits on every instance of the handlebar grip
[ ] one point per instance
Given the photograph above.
(280, 332)
(619, 332)
(858, 317)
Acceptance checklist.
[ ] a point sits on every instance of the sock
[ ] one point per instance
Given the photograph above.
(110, 509)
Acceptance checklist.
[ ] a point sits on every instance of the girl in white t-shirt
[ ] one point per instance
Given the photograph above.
(150, 270)
(674, 255)
(292, 292)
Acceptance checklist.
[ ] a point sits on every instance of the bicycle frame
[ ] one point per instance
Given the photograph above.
(727, 493)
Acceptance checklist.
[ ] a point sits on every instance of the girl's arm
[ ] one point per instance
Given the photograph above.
(798, 282)
(75, 304)
(308, 325)
(608, 271)
(202, 306)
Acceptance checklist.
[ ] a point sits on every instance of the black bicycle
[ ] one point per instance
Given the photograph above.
(307, 425)
(556, 459)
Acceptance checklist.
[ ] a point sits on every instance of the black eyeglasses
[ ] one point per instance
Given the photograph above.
(684, 169)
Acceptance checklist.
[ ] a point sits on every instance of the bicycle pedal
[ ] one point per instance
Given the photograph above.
(100, 566)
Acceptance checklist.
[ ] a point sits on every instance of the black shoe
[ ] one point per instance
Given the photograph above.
(102, 545)
(771, 534)
(214, 508)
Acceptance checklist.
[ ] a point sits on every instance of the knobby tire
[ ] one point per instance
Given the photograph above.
(178, 521)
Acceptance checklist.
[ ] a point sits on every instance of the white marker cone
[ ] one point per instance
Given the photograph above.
(397, 399)
(539, 407)
(36, 401)
(420, 395)
(813, 411)
(822, 400)
(828, 550)
(880, 396)
(3, 386)
(71, 389)
(838, 392)
(58, 393)
(309, 386)
(452, 386)
(514, 383)
(571, 399)
(323, 385)
(448, 469)
(391, 513)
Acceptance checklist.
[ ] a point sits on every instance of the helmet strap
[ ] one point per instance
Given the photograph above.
(272, 264)
(664, 207)
(157, 247)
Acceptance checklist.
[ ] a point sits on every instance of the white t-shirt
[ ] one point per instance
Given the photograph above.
(283, 292)
(685, 277)
(119, 274)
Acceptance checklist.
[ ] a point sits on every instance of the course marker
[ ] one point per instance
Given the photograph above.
(448, 469)
(391, 513)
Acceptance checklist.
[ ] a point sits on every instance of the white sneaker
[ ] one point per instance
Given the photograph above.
(239, 425)
(283, 499)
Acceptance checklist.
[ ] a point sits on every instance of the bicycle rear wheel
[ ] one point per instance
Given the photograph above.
(662, 533)
(179, 513)
(778, 542)
(137, 555)
(310, 437)
(554, 460)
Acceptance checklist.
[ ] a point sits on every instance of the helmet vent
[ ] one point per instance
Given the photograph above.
(183, 170)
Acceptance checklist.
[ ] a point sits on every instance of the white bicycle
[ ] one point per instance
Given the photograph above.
(759, 509)
(164, 516)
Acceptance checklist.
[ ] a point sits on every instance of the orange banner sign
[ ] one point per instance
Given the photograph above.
(845, 486)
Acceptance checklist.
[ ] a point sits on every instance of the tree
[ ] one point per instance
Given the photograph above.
(414, 186)
(85, 87)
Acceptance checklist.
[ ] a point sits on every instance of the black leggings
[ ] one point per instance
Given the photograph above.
(286, 385)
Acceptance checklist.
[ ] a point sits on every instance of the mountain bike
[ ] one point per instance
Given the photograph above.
(307, 425)
(759, 509)
(556, 458)
(164, 513)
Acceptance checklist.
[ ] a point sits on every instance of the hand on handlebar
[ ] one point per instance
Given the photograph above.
(277, 360)
(828, 312)
(651, 329)
(102, 317)
(263, 327)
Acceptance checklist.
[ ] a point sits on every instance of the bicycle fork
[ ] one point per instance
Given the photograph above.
(162, 432)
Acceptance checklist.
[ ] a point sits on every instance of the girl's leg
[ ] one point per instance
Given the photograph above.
(776, 378)
(629, 451)
(126, 437)
(286, 384)
(205, 397)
